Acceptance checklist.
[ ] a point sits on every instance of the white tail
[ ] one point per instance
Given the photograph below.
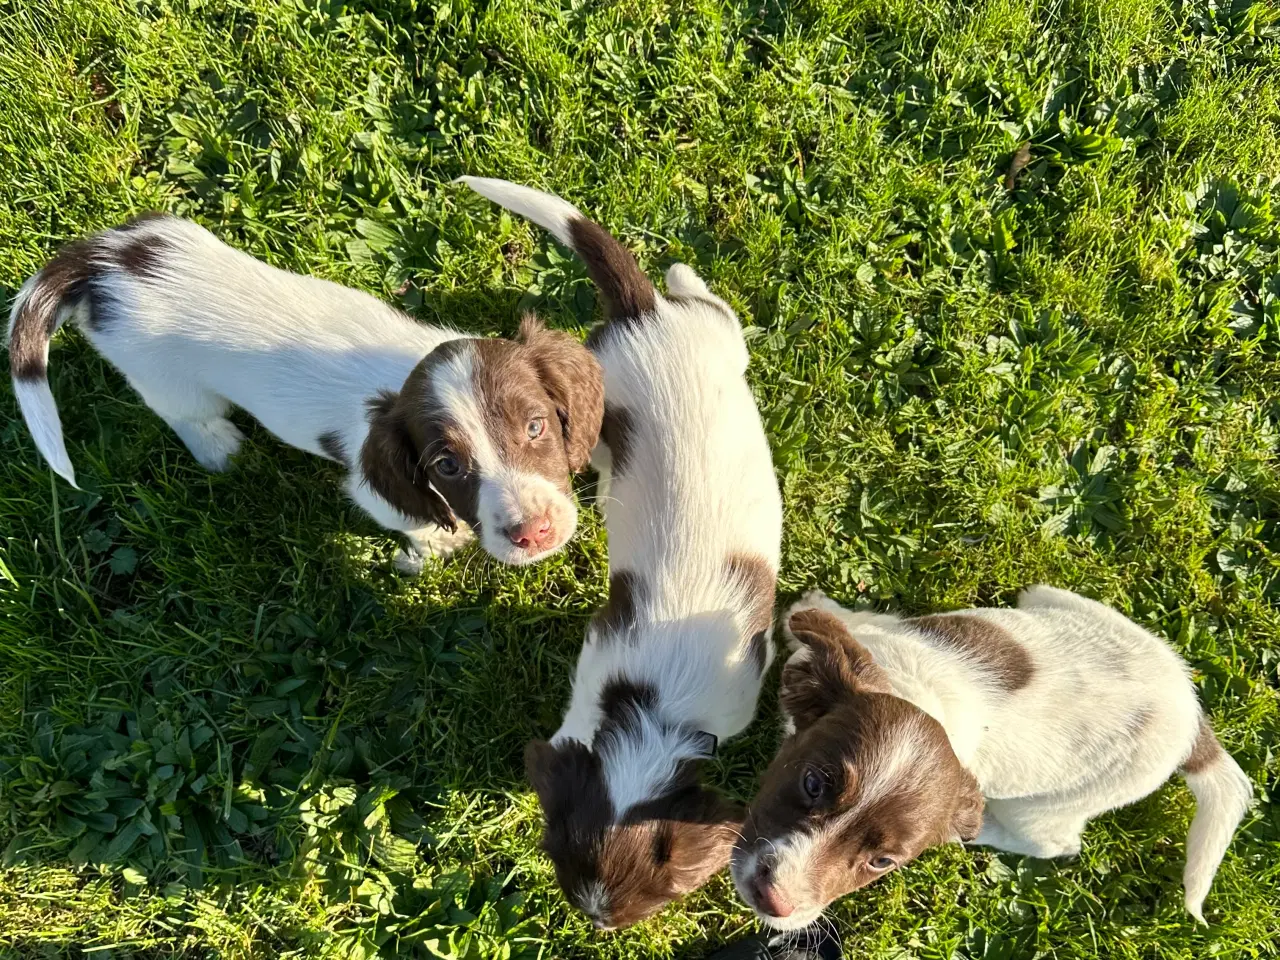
(549, 212)
(36, 402)
(1223, 796)
(38, 311)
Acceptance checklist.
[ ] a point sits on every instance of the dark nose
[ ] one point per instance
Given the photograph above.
(767, 897)
(531, 533)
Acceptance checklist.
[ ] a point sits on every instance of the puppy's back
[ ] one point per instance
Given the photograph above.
(1099, 696)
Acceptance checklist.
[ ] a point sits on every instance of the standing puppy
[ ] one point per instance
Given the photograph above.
(436, 429)
(1010, 728)
(673, 662)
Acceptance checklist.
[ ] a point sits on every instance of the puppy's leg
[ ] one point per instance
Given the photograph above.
(431, 541)
(425, 540)
(1033, 828)
(813, 600)
(199, 418)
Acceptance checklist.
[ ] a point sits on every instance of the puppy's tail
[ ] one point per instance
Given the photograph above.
(624, 288)
(1223, 795)
(41, 306)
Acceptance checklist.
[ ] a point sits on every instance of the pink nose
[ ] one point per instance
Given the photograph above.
(531, 533)
(768, 899)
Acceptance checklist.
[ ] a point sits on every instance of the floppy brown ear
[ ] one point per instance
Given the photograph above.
(966, 822)
(699, 849)
(539, 760)
(565, 774)
(389, 461)
(572, 376)
(835, 667)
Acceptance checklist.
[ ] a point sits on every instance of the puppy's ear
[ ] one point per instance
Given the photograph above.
(539, 761)
(826, 670)
(564, 774)
(697, 848)
(966, 822)
(572, 377)
(389, 461)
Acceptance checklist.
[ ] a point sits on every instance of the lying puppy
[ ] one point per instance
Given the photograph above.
(1046, 716)
(437, 430)
(673, 662)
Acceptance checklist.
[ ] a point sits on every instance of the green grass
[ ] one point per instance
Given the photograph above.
(227, 729)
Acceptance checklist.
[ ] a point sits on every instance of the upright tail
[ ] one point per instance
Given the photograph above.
(624, 288)
(1223, 795)
(38, 311)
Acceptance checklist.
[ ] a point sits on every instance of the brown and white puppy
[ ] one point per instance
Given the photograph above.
(442, 434)
(1010, 728)
(673, 663)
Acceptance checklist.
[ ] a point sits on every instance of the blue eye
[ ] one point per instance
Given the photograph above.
(882, 863)
(446, 466)
(536, 426)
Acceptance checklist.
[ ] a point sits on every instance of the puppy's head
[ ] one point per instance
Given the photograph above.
(489, 431)
(628, 826)
(865, 783)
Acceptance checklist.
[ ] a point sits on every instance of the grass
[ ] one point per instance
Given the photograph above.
(227, 729)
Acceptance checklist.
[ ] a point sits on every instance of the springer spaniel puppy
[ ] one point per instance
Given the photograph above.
(443, 435)
(673, 662)
(1008, 728)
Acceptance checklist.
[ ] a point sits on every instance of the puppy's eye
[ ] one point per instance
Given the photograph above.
(813, 784)
(446, 466)
(881, 864)
(536, 427)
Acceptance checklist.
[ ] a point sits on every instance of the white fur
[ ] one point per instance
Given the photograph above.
(1108, 715)
(699, 487)
(217, 328)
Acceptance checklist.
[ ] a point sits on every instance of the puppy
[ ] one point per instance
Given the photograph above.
(672, 664)
(1009, 728)
(441, 434)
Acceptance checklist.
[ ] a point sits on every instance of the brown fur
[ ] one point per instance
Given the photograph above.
(68, 279)
(615, 431)
(627, 293)
(1205, 752)
(756, 579)
(642, 858)
(627, 590)
(331, 444)
(849, 719)
(989, 644)
(547, 373)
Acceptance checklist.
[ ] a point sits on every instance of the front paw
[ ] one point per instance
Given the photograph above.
(408, 561)
(813, 600)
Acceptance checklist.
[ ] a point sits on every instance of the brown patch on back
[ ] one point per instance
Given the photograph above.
(70, 277)
(755, 580)
(1205, 752)
(615, 431)
(627, 590)
(626, 291)
(621, 698)
(142, 255)
(992, 646)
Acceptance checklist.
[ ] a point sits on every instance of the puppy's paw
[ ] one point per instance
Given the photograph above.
(431, 542)
(813, 600)
(408, 561)
(213, 443)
